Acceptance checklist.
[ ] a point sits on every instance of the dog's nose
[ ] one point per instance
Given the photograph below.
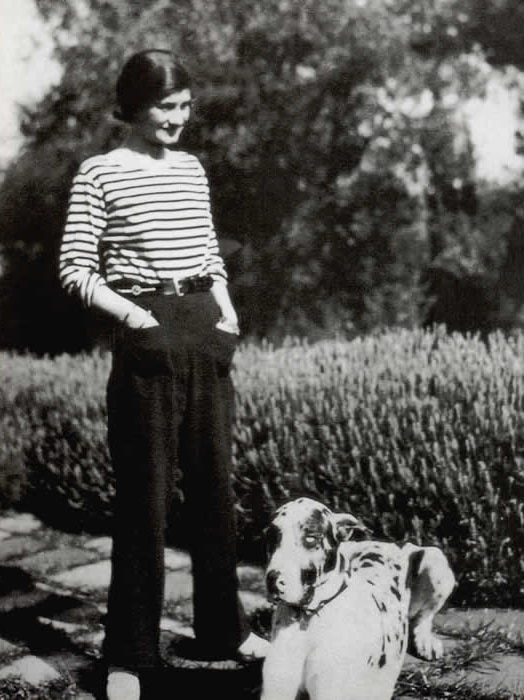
(274, 582)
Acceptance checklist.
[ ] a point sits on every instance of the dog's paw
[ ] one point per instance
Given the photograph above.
(425, 644)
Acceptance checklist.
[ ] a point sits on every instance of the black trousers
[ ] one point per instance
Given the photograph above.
(170, 412)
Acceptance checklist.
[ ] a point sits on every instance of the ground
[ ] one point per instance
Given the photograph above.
(52, 603)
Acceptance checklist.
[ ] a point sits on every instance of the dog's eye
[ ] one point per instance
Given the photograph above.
(311, 540)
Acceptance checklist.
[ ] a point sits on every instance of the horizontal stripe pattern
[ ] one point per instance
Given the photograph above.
(135, 219)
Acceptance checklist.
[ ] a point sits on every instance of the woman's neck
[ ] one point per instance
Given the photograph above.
(156, 151)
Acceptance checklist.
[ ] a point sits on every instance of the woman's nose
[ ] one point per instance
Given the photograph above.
(177, 116)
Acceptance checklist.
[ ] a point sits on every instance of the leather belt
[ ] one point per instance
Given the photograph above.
(187, 285)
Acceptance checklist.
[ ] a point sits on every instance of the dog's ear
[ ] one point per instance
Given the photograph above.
(346, 526)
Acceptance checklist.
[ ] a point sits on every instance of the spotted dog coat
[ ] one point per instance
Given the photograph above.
(346, 611)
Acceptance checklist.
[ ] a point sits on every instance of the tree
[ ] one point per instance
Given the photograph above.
(331, 137)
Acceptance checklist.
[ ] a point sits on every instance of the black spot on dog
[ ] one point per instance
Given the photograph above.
(308, 576)
(395, 592)
(382, 660)
(374, 557)
(415, 560)
(331, 560)
(330, 534)
(380, 605)
(315, 522)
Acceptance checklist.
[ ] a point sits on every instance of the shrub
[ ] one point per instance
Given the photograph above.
(53, 426)
(420, 433)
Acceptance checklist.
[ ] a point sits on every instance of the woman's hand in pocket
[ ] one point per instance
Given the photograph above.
(229, 325)
(140, 318)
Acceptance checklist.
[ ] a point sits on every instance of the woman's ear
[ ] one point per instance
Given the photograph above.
(346, 526)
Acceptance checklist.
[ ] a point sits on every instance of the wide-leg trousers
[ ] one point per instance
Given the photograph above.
(170, 412)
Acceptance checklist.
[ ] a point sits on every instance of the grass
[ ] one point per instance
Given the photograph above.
(476, 649)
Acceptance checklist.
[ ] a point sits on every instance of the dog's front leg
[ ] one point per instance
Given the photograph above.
(432, 582)
(283, 670)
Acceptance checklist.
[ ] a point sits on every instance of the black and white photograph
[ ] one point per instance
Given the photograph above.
(262, 349)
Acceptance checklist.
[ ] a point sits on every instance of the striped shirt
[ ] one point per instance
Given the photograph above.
(133, 219)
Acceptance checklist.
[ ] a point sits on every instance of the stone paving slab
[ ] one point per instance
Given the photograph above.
(253, 601)
(70, 628)
(178, 586)
(20, 523)
(91, 639)
(503, 674)
(20, 546)
(173, 558)
(168, 624)
(62, 577)
(67, 607)
(50, 561)
(182, 610)
(102, 545)
(456, 620)
(176, 559)
(18, 600)
(7, 648)
(86, 578)
(247, 572)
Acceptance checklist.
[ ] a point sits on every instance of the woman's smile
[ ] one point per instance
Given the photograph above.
(162, 123)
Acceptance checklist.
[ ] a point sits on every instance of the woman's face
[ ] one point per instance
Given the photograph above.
(162, 123)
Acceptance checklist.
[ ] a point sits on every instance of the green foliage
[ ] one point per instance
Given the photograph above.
(54, 438)
(420, 433)
(337, 156)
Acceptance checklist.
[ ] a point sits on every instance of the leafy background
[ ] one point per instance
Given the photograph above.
(335, 137)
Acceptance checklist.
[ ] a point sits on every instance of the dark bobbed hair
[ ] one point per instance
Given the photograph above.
(147, 77)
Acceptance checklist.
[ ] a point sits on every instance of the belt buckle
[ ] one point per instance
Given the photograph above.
(135, 290)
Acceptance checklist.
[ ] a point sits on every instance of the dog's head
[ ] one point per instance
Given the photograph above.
(302, 541)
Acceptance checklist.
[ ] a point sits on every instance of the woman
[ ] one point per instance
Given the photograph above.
(139, 245)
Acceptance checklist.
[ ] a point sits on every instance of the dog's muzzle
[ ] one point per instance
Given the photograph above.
(275, 584)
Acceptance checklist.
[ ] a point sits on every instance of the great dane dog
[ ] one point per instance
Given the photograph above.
(346, 611)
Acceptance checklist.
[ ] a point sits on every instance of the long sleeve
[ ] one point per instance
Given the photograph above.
(214, 263)
(79, 262)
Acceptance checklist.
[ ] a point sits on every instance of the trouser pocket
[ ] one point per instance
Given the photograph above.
(147, 350)
(222, 346)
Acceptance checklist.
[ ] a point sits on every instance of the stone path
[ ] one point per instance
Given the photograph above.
(52, 602)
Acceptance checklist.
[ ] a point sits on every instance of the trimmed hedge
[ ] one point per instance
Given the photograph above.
(53, 432)
(420, 433)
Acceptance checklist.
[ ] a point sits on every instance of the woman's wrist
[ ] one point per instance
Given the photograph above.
(137, 317)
